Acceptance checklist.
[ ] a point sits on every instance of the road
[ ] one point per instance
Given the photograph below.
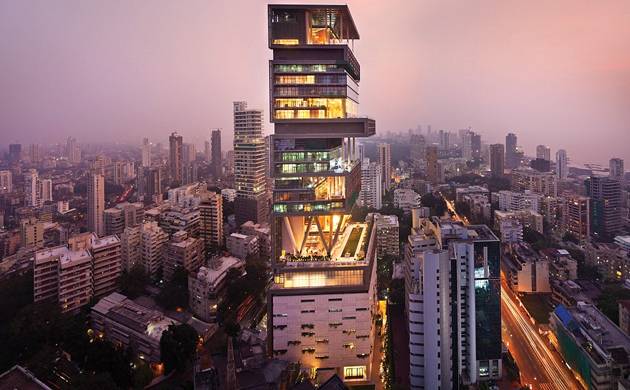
(540, 366)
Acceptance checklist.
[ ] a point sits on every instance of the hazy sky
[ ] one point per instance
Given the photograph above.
(554, 72)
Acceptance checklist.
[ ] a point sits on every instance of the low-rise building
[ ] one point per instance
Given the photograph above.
(242, 246)
(407, 199)
(263, 232)
(183, 252)
(525, 270)
(511, 231)
(591, 344)
(471, 190)
(529, 219)
(611, 259)
(561, 265)
(128, 324)
(206, 286)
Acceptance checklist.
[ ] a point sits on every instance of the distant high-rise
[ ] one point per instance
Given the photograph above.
(497, 160)
(215, 140)
(211, 221)
(605, 193)
(475, 145)
(371, 194)
(6, 182)
(578, 216)
(417, 152)
(250, 163)
(176, 159)
(15, 153)
(146, 152)
(207, 152)
(561, 164)
(543, 152)
(433, 168)
(31, 188)
(45, 191)
(73, 152)
(385, 160)
(34, 153)
(511, 156)
(96, 204)
(616, 169)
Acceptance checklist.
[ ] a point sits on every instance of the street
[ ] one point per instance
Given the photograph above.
(539, 365)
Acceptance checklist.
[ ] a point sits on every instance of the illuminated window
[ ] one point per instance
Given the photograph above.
(354, 372)
(286, 42)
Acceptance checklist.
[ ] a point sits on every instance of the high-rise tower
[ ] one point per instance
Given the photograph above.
(322, 302)
(176, 159)
(250, 165)
(385, 159)
(561, 164)
(497, 160)
(96, 204)
(511, 156)
(215, 140)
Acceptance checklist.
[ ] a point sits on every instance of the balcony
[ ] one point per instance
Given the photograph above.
(325, 128)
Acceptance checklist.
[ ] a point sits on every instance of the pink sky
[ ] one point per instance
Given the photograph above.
(553, 72)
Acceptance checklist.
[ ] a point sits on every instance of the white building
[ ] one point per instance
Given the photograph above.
(96, 204)
(387, 234)
(407, 199)
(516, 201)
(371, 194)
(525, 270)
(242, 246)
(184, 252)
(31, 188)
(562, 171)
(511, 231)
(46, 190)
(206, 286)
(527, 218)
(228, 194)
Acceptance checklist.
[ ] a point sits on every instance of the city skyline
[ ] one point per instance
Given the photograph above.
(548, 68)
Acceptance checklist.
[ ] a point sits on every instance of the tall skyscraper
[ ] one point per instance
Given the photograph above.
(511, 156)
(385, 159)
(146, 152)
(207, 152)
(250, 163)
(176, 159)
(96, 204)
(475, 144)
(34, 153)
(31, 188)
(453, 304)
(322, 302)
(371, 194)
(617, 171)
(605, 194)
(543, 152)
(73, 152)
(45, 191)
(211, 221)
(497, 160)
(215, 139)
(433, 168)
(562, 171)
(578, 217)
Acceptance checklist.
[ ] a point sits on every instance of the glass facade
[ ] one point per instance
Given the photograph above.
(327, 278)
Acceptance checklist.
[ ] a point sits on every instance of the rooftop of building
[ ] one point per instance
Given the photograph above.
(348, 32)
(595, 328)
(101, 242)
(19, 378)
(66, 256)
(239, 236)
(218, 268)
(623, 241)
(124, 311)
(472, 189)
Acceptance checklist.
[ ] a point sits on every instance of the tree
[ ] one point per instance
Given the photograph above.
(87, 381)
(174, 294)
(133, 282)
(177, 347)
(568, 236)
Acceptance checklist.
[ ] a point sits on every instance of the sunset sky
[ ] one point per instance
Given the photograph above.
(554, 72)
